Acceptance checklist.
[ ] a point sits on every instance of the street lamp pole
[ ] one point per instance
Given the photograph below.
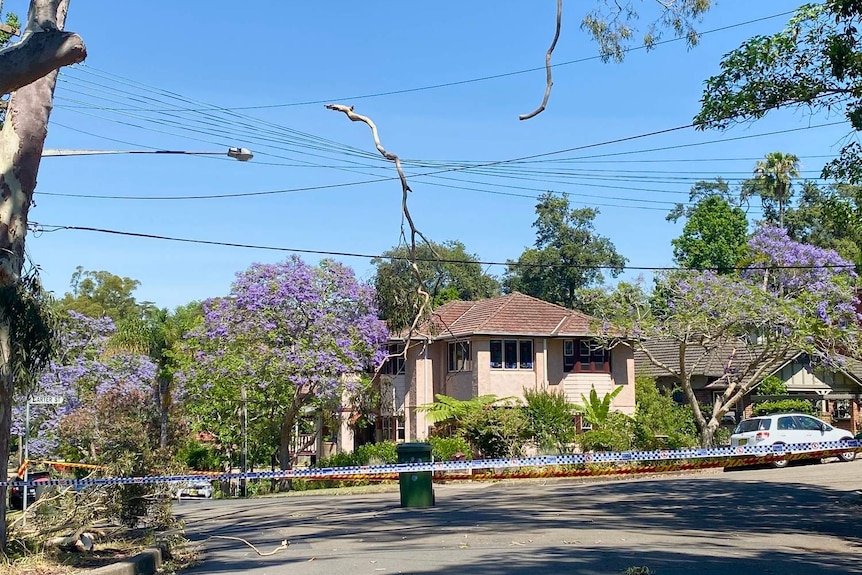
(237, 153)
(243, 457)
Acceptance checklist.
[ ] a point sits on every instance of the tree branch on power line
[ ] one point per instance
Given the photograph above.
(549, 81)
(425, 298)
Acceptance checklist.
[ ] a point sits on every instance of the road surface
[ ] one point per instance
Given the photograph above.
(804, 520)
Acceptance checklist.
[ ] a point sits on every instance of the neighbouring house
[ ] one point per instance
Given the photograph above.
(498, 346)
(837, 391)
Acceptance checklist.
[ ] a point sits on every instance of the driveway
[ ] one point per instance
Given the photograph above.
(801, 520)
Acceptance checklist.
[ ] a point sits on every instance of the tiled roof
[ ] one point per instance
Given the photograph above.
(512, 314)
(701, 362)
(713, 363)
(853, 368)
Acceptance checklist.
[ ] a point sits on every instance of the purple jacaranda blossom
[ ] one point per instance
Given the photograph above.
(84, 369)
(291, 335)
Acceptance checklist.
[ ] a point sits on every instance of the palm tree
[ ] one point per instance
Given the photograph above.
(156, 334)
(775, 174)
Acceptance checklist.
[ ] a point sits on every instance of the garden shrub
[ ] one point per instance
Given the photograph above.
(338, 460)
(376, 453)
(785, 406)
(771, 385)
(657, 414)
(615, 434)
(549, 420)
(200, 457)
(446, 448)
(496, 432)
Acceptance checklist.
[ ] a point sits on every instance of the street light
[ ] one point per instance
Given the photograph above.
(241, 154)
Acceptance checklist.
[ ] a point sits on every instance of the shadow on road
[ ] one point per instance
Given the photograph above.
(690, 525)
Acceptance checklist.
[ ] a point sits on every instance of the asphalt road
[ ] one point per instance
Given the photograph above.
(804, 520)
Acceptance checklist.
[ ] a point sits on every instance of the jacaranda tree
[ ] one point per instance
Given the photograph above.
(791, 298)
(291, 336)
(94, 381)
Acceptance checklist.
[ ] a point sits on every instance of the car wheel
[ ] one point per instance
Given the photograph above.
(780, 463)
(846, 455)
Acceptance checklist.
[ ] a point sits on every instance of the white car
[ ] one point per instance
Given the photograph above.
(195, 489)
(784, 428)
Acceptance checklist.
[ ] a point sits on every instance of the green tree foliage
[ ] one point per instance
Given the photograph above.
(102, 294)
(713, 237)
(550, 420)
(815, 62)
(448, 273)
(702, 190)
(448, 410)
(613, 24)
(625, 295)
(660, 422)
(13, 22)
(568, 254)
(199, 456)
(368, 454)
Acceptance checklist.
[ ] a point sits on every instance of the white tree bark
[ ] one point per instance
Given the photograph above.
(43, 48)
(21, 141)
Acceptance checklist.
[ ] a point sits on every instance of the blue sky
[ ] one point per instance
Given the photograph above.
(182, 75)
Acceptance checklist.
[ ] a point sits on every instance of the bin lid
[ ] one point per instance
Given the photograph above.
(413, 447)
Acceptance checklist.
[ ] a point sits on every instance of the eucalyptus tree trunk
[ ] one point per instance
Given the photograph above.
(43, 48)
(21, 141)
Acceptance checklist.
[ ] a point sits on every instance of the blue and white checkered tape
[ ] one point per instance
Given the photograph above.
(468, 466)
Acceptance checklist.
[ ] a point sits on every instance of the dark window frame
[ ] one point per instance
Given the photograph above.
(585, 357)
(500, 349)
(395, 363)
(465, 359)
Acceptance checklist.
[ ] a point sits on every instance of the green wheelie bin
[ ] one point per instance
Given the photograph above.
(417, 489)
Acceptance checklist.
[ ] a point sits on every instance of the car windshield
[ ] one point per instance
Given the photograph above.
(752, 425)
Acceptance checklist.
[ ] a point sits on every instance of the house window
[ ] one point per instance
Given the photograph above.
(395, 363)
(391, 428)
(460, 358)
(512, 353)
(842, 409)
(584, 355)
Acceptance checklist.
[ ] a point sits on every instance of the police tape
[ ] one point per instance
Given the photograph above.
(665, 460)
(58, 465)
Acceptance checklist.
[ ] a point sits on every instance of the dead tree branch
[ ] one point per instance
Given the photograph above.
(549, 81)
(414, 232)
(284, 544)
(43, 48)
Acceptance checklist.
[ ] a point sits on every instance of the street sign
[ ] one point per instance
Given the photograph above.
(45, 399)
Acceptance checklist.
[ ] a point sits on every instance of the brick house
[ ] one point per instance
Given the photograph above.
(837, 391)
(498, 346)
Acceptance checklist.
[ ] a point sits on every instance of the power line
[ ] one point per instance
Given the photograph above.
(55, 228)
(481, 78)
(228, 115)
(453, 169)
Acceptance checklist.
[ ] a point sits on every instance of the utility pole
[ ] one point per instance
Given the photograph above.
(243, 457)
